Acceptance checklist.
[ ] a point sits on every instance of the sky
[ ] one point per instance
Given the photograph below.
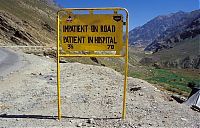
(140, 11)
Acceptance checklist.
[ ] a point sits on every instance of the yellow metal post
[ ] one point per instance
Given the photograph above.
(126, 70)
(58, 67)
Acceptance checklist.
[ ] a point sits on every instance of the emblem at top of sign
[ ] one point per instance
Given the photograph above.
(117, 18)
(69, 19)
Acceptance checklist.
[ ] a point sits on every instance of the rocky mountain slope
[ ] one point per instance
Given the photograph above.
(162, 27)
(150, 31)
(177, 46)
(188, 28)
(27, 22)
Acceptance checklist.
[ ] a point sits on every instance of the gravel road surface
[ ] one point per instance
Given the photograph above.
(91, 97)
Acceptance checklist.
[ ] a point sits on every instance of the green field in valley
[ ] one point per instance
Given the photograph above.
(170, 79)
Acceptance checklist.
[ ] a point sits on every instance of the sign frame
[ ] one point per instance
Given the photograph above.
(60, 55)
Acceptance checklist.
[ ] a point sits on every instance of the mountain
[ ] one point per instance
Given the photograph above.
(175, 47)
(150, 31)
(27, 22)
(188, 28)
(161, 26)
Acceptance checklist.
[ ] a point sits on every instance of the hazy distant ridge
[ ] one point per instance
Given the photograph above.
(161, 27)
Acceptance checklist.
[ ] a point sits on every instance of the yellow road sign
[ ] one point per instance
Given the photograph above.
(92, 32)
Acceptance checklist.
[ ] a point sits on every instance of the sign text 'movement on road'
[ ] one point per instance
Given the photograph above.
(92, 32)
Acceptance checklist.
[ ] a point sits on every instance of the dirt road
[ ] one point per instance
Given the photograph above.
(9, 62)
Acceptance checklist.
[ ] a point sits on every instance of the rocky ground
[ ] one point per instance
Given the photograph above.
(91, 97)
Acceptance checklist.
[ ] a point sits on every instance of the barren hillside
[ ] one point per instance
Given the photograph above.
(27, 22)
